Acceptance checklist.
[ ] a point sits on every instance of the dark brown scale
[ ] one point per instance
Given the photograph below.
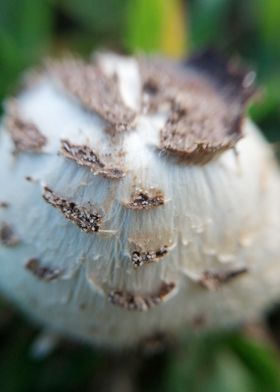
(25, 134)
(96, 91)
(87, 219)
(7, 235)
(140, 258)
(141, 200)
(43, 272)
(199, 321)
(141, 302)
(206, 97)
(85, 156)
(213, 280)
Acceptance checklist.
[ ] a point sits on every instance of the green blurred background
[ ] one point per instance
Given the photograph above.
(247, 359)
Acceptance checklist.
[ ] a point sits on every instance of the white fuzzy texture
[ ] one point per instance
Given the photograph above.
(221, 216)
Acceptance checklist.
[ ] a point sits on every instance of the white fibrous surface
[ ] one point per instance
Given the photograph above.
(135, 201)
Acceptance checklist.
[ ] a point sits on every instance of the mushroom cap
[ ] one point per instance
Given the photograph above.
(136, 198)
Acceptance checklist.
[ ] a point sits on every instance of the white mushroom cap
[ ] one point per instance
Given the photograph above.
(135, 199)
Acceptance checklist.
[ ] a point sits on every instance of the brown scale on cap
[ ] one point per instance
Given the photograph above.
(156, 343)
(85, 156)
(132, 301)
(145, 199)
(140, 258)
(4, 204)
(7, 235)
(87, 218)
(42, 272)
(206, 97)
(194, 136)
(96, 91)
(25, 135)
(213, 280)
(159, 76)
(163, 81)
(199, 321)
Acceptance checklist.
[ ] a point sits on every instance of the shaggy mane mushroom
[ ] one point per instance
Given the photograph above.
(140, 198)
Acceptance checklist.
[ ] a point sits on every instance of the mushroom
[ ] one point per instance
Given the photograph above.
(136, 198)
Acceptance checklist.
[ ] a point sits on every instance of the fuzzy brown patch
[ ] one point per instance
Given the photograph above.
(193, 135)
(145, 199)
(85, 156)
(158, 75)
(96, 91)
(132, 301)
(157, 343)
(140, 258)
(199, 322)
(42, 272)
(87, 218)
(25, 134)
(203, 70)
(205, 98)
(163, 81)
(7, 236)
(213, 280)
(4, 204)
